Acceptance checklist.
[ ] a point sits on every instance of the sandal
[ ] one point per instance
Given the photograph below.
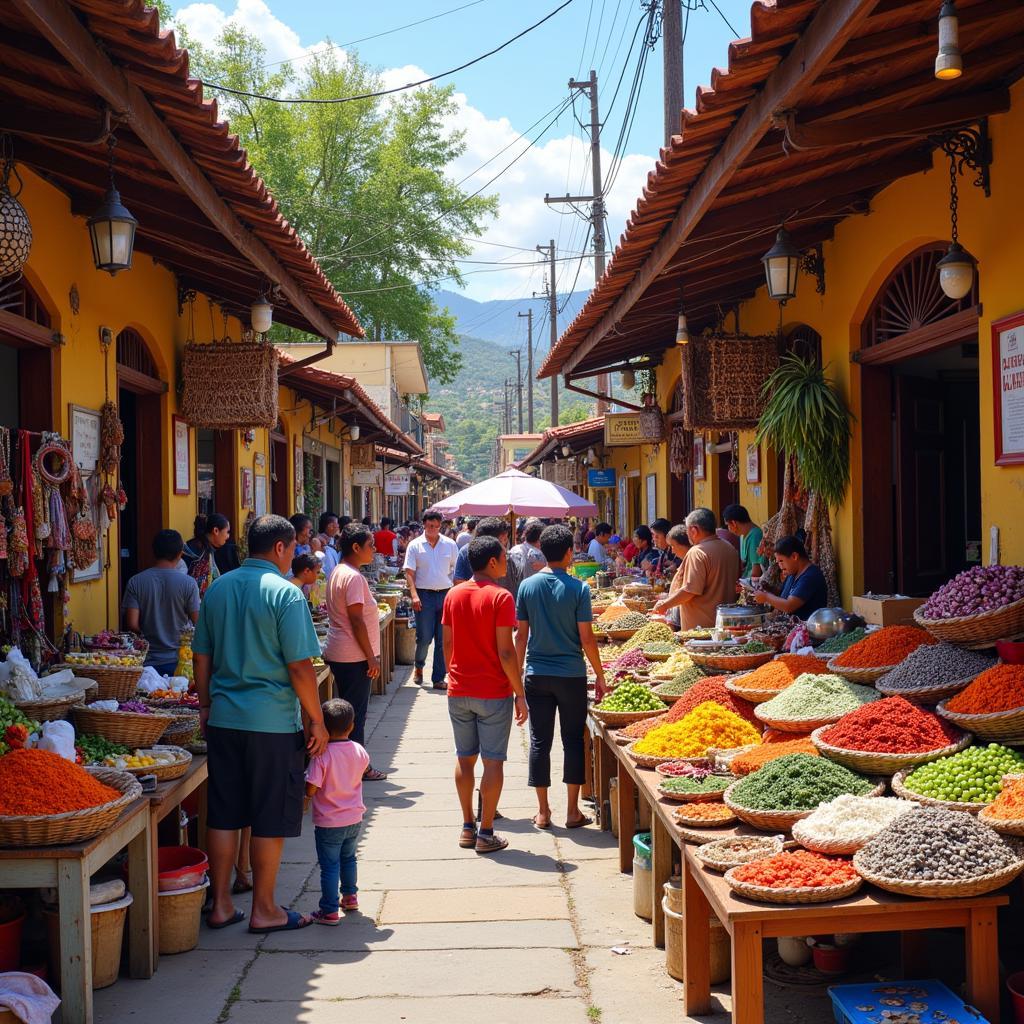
(467, 840)
(294, 922)
(241, 886)
(490, 844)
(537, 824)
(581, 823)
(236, 918)
(373, 775)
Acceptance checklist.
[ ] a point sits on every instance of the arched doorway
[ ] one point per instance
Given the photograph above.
(139, 391)
(920, 429)
(26, 357)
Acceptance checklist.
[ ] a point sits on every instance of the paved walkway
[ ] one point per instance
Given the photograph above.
(444, 936)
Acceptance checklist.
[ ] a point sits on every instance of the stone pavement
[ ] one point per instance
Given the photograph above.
(444, 936)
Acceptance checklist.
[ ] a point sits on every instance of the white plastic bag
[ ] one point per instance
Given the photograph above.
(59, 738)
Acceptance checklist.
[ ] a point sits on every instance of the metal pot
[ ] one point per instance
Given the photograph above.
(826, 623)
(740, 616)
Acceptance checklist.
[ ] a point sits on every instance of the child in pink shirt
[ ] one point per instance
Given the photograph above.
(334, 783)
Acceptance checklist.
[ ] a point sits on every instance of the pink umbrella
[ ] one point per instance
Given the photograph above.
(516, 493)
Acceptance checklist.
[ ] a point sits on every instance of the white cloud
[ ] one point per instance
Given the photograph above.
(553, 166)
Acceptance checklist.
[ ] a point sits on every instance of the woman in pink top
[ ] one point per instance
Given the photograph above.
(353, 639)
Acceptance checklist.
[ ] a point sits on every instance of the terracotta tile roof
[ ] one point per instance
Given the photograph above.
(886, 67)
(428, 467)
(171, 227)
(582, 434)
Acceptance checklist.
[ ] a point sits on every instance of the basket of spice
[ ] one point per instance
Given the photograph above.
(843, 825)
(878, 653)
(660, 650)
(1006, 813)
(798, 877)
(684, 766)
(811, 701)
(753, 758)
(933, 853)
(789, 788)
(707, 725)
(679, 685)
(46, 800)
(703, 786)
(888, 735)
(977, 607)
(723, 854)
(731, 657)
(967, 781)
(128, 722)
(628, 703)
(934, 672)
(711, 815)
(773, 677)
(992, 706)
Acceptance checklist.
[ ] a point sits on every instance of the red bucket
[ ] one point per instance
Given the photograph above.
(831, 959)
(10, 943)
(1015, 983)
(180, 867)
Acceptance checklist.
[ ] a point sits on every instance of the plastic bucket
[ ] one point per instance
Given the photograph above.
(107, 927)
(180, 911)
(10, 943)
(405, 643)
(831, 959)
(1015, 983)
(180, 867)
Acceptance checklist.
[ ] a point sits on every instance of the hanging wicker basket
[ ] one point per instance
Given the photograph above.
(230, 386)
(740, 364)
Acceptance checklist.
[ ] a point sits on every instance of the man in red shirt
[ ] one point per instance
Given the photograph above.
(384, 538)
(483, 675)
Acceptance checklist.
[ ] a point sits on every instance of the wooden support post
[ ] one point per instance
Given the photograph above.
(143, 931)
(75, 941)
(983, 962)
(696, 947)
(747, 981)
(626, 796)
(661, 871)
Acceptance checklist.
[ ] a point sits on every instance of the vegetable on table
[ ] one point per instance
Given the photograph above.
(796, 782)
(972, 776)
(982, 588)
(630, 697)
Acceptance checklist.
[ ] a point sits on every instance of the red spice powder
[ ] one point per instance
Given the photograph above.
(798, 869)
(886, 646)
(891, 726)
(712, 688)
(41, 782)
(1000, 688)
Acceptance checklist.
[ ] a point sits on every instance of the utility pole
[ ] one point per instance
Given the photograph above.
(596, 199)
(553, 317)
(672, 64)
(519, 385)
(529, 369)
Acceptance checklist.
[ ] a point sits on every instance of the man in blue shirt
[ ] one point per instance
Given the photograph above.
(555, 631)
(252, 653)
(492, 526)
(805, 588)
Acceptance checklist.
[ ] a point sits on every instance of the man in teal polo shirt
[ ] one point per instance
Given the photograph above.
(252, 649)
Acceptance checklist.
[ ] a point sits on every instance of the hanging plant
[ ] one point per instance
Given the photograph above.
(806, 418)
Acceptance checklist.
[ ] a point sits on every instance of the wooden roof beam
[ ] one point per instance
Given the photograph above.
(55, 20)
(835, 23)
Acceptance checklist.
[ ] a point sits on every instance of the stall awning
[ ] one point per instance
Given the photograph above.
(71, 68)
(856, 79)
(578, 436)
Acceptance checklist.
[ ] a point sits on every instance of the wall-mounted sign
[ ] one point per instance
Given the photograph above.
(626, 428)
(182, 456)
(601, 477)
(1008, 386)
(85, 437)
(368, 477)
(396, 483)
(362, 456)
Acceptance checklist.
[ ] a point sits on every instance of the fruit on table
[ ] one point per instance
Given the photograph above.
(15, 727)
(139, 759)
(631, 697)
(109, 660)
(972, 776)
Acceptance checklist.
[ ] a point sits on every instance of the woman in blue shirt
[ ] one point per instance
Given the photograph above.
(805, 589)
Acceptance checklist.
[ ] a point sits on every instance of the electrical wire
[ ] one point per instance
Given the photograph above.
(725, 19)
(327, 100)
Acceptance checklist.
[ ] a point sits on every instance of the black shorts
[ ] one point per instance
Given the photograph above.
(257, 780)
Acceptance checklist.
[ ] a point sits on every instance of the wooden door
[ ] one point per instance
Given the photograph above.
(728, 492)
(922, 538)
(225, 477)
(279, 498)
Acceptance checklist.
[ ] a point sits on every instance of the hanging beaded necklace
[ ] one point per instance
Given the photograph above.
(6, 483)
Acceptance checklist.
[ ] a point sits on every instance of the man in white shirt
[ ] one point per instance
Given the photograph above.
(466, 534)
(596, 551)
(429, 564)
(528, 554)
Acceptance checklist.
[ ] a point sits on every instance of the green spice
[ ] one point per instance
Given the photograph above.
(96, 748)
(812, 697)
(797, 782)
(689, 784)
(838, 644)
(680, 683)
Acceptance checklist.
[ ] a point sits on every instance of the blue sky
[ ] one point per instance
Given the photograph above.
(504, 95)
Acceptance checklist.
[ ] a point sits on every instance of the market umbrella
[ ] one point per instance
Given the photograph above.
(515, 493)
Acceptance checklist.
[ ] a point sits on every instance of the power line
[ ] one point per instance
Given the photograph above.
(321, 101)
(725, 19)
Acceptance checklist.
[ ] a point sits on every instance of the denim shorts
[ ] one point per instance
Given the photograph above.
(481, 726)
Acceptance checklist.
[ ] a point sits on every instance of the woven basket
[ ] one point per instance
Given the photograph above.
(682, 817)
(900, 789)
(622, 741)
(646, 760)
(775, 821)
(50, 709)
(127, 727)
(864, 676)
(230, 385)
(655, 657)
(833, 847)
(667, 698)
(693, 798)
(740, 365)
(614, 719)
(711, 854)
(1006, 826)
(794, 724)
(940, 889)
(1001, 726)
(723, 757)
(794, 894)
(140, 648)
(928, 695)
(182, 729)
(731, 663)
(71, 826)
(113, 682)
(700, 762)
(977, 631)
(873, 763)
(164, 772)
(751, 696)
(616, 634)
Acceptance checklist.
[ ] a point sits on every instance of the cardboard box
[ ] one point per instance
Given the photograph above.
(887, 609)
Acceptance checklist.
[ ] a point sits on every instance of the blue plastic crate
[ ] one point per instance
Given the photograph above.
(901, 1002)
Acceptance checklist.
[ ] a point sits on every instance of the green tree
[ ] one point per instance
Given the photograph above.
(365, 184)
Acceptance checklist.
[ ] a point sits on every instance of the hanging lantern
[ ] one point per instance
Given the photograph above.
(353, 432)
(682, 331)
(956, 268)
(781, 265)
(15, 227)
(261, 314)
(949, 62)
(628, 380)
(112, 228)
(566, 450)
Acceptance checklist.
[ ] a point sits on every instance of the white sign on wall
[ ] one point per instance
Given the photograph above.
(396, 483)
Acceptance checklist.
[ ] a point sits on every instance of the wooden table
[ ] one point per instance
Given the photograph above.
(68, 870)
(387, 653)
(748, 922)
(167, 799)
(324, 682)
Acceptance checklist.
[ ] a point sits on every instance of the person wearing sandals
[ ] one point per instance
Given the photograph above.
(483, 675)
(334, 786)
(555, 631)
(352, 651)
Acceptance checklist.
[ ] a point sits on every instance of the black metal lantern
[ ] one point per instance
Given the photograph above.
(781, 266)
(112, 228)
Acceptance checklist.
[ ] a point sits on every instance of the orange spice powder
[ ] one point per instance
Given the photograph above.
(1000, 688)
(41, 782)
